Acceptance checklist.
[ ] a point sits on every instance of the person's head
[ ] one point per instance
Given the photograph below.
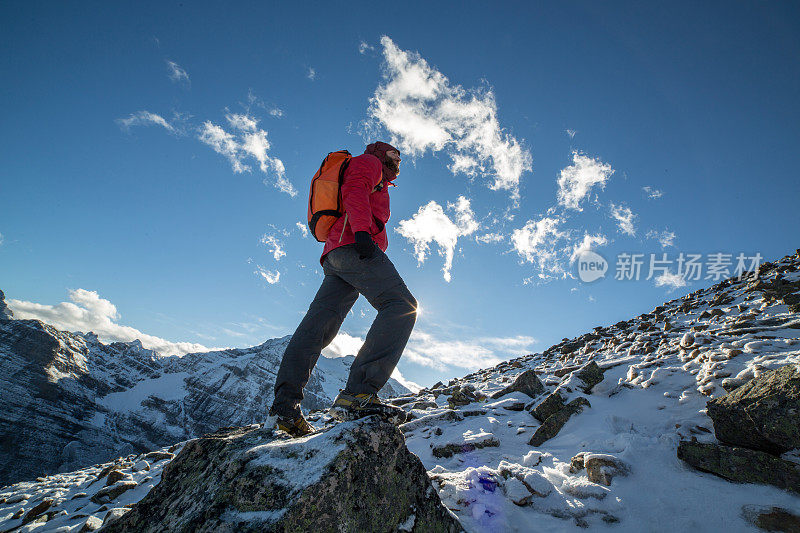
(389, 156)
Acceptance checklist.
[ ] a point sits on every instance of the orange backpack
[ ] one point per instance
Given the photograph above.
(325, 198)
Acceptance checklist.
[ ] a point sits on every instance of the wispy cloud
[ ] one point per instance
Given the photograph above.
(577, 180)
(588, 244)
(274, 244)
(670, 280)
(625, 219)
(422, 111)
(364, 47)
(666, 238)
(571, 133)
(146, 118)
(303, 229)
(652, 193)
(246, 140)
(537, 242)
(430, 224)
(311, 74)
(487, 238)
(89, 312)
(176, 73)
(1, 239)
(271, 277)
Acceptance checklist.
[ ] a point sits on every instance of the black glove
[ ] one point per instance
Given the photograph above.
(364, 245)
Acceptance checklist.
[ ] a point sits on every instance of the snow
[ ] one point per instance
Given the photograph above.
(169, 387)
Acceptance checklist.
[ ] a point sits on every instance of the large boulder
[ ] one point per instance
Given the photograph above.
(741, 464)
(527, 383)
(763, 414)
(356, 476)
(556, 421)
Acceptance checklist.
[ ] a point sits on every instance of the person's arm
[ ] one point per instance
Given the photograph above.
(361, 176)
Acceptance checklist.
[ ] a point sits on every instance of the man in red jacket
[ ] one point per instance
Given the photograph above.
(354, 263)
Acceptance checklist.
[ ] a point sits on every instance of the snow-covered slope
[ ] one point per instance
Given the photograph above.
(68, 400)
(660, 369)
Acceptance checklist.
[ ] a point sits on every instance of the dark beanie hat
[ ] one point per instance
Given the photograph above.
(379, 149)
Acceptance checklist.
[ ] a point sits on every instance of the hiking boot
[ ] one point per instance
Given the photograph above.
(294, 426)
(349, 406)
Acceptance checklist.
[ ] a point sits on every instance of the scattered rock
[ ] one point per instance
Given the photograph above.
(516, 406)
(576, 464)
(591, 375)
(17, 498)
(687, 340)
(448, 450)
(423, 405)
(462, 396)
(763, 414)
(37, 510)
(549, 406)
(555, 422)
(159, 456)
(92, 523)
(141, 466)
(358, 475)
(527, 383)
(771, 518)
(112, 492)
(602, 468)
(741, 465)
(115, 514)
(114, 476)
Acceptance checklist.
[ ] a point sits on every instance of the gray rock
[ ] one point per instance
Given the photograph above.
(555, 422)
(527, 383)
(5, 312)
(741, 465)
(602, 468)
(549, 406)
(769, 518)
(591, 374)
(112, 492)
(356, 476)
(92, 523)
(37, 510)
(449, 450)
(763, 414)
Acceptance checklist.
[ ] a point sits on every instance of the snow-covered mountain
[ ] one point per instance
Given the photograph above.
(68, 400)
(586, 434)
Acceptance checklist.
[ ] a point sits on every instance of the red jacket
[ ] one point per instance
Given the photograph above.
(366, 208)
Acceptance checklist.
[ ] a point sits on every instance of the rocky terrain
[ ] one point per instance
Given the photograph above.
(68, 401)
(684, 418)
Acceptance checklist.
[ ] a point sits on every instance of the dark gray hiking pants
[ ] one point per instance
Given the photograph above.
(347, 276)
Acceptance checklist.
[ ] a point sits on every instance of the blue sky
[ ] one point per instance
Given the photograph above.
(155, 159)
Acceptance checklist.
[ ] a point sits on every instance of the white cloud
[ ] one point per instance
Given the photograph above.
(364, 47)
(536, 243)
(588, 244)
(425, 349)
(577, 180)
(303, 229)
(246, 140)
(343, 344)
(274, 244)
(671, 280)
(490, 238)
(431, 224)
(571, 133)
(1, 239)
(271, 277)
(624, 217)
(89, 312)
(423, 111)
(666, 238)
(652, 193)
(276, 112)
(176, 73)
(146, 118)
(311, 74)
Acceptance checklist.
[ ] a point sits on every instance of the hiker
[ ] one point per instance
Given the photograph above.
(354, 263)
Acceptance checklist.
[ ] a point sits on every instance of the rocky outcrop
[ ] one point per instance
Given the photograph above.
(526, 383)
(356, 476)
(741, 465)
(553, 424)
(68, 400)
(5, 312)
(763, 414)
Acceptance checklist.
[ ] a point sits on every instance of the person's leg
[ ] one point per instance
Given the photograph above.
(325, 315)
(379, 282)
